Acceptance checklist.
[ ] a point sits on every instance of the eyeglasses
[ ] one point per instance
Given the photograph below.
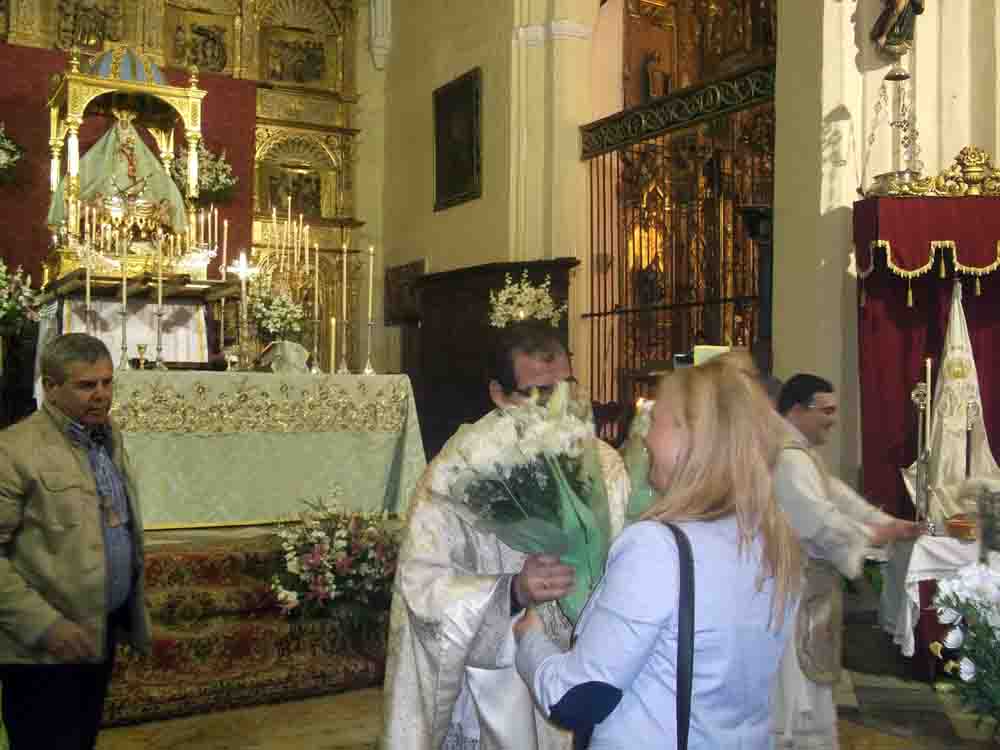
(544, 391)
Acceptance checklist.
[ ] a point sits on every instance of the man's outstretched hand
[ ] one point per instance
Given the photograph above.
(542, 579)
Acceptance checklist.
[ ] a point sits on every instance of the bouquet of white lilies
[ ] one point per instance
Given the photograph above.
(970, 603)
(531, 476)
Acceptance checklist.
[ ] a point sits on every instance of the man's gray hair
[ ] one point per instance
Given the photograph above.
(63, 350)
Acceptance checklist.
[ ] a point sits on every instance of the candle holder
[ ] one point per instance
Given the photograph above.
(342, 369)
(123, 363)
(88, 319)
(369, 370)
(159, 364)
(315, 369)
(141, 349)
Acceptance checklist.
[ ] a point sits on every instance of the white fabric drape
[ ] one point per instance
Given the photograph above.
(956, 392)
(184, 338)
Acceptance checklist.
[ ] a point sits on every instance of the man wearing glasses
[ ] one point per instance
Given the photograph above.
(837, 528)
(450, 679)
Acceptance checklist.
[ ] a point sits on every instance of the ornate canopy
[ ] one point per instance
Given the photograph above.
(135, 83)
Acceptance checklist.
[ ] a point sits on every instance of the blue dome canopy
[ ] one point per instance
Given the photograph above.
(125, 64)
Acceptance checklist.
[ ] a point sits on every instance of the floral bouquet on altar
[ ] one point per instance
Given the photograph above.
(970, 603)
(216, 180)
(532, 478)
(10, 154)
(275, 314)
(17, 300)
(331, 556)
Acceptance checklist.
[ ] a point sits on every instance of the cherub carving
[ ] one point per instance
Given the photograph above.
(893, 30)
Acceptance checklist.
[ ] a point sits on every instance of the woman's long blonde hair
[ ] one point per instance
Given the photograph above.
(731, 439)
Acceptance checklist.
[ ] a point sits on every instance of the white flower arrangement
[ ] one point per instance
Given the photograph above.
(18, 302)
(970, 603)
(215, 175)
(330, 557)
(275, 314)
(10, 153)
(530, 476)
(522, 300)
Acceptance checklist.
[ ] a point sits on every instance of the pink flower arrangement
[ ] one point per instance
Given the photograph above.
(331, 557)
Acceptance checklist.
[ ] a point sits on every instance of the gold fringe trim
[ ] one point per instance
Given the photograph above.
(909, 292)
(936, 246)
(979, 289)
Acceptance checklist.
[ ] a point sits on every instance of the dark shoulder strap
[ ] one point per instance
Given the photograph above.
(685, 636)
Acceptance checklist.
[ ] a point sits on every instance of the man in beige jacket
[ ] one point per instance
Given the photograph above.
(71, 553)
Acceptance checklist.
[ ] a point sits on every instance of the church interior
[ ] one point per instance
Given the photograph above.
(286, 219)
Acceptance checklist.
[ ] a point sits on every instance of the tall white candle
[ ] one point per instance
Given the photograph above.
(88, 259)
(343, 300)
(225, 244)
(371, 281)
(215, 237)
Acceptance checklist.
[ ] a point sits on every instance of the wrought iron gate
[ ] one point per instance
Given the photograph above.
(674, 186)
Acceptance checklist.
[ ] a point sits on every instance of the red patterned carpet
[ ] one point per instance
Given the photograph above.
(220, 642)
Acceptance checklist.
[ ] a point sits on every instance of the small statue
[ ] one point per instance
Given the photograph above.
(180, 44)
(893, 31)
(656, 80)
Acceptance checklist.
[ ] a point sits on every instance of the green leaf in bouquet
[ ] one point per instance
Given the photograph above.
(588, 545)
(532, 536)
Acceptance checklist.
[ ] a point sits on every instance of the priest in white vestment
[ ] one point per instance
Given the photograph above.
(450, 676)
(837, 527)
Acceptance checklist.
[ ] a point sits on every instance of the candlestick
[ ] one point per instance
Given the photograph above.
(315, 281)
(159, 273)
(369, 370)
(225, 243)
(371, 282)
(123, 363)
(343, 301)
(86, 307)
(222, 326)
(333, 344)
(927, 413)
(343, 370)
(215, 238)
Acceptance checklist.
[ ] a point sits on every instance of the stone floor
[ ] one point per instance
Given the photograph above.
(881, 708)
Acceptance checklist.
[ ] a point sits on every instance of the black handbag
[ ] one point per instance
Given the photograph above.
(685, 635)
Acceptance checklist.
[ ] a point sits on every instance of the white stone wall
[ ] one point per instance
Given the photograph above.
(829, 77)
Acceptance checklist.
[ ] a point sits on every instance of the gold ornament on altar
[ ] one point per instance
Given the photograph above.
(971, 174)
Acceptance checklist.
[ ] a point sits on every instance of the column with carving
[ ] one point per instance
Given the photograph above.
(250, 29)
(380, 31)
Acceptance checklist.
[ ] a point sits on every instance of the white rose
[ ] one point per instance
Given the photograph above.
(966, 669)
(954, 638)
(948, 616)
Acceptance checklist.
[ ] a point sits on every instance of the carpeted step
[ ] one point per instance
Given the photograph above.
(219, 640)
(234, 660)
(172, 606)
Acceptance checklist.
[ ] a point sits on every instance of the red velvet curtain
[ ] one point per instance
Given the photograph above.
(900, 263)
(228, 118)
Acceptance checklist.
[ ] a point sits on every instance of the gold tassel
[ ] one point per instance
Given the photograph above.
(979, 289)
(864, 296)
(943, 274)
(909, 293)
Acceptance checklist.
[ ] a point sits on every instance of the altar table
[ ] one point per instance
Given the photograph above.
(222, 448)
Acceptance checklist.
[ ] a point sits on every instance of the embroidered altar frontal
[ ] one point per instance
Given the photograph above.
(211, 449)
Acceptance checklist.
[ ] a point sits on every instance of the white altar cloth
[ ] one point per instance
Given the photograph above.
(928, 558)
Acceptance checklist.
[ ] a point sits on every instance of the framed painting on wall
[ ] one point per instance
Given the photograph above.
(400, 293)
(457, 157)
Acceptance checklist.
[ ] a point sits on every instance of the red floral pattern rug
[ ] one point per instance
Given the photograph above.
(220, 642)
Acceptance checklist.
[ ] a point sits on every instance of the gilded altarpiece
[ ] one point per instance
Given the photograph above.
(676, 260)
(302, 49)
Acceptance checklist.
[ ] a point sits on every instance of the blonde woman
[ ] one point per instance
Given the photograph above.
(713, 442)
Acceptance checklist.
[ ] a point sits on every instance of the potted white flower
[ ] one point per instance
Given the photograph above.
(10, 154)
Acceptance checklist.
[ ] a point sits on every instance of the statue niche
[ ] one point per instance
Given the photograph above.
(88, 24)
